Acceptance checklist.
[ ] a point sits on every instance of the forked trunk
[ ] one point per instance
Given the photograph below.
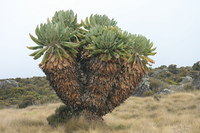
(93, 88)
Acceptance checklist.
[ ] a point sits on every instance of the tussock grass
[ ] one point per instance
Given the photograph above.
(175, 113)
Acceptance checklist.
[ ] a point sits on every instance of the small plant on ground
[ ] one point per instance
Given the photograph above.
(62, 114)
(189, 87)
(27, 101)
(157, 85)
(148, 93)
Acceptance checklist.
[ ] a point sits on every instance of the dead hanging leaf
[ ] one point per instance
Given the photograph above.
(60, 66)
(55, 63)
(52, 58)
(65, 65)
(42, 66)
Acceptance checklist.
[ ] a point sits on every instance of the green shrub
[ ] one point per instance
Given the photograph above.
(172, 68)
(196, 66)
(17, 79)
(194, 73)
(162, 75)
(38, 87)
(179, 79)
(148, 93)
(171, 82)
(61, 116)
(189, 87)
(27, 101)
(169, 74)
(151, 72)
(162, 67)
(183, 73)
(156, 85)
(48, 99)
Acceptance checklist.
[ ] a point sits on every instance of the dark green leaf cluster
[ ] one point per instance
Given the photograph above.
(96, 36)
(140, 49)
(68, 18)
(57, 36)
(107, 42)
(97, 19)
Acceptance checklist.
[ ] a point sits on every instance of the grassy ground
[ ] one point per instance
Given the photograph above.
(175, 113)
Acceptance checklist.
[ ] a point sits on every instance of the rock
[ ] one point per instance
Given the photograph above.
(157, 72)
(196, 82)
(9, 82)
(165, 92)
(186, 79)
(143, 86)
(176, 87)
(189, 69)
(165, 70)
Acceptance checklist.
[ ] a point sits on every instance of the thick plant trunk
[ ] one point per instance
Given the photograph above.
(63, 78)
(92, 87)
(99, 76)
(108, 84)
(126, 81)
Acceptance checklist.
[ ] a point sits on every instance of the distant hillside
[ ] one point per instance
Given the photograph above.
(172, 74)
(36, 90)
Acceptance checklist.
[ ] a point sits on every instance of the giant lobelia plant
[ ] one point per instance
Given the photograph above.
(93, 66)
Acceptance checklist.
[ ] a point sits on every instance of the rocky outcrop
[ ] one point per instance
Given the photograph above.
(176, 87)
(196, 82)
(9, 82)
(159, 71)
(186, 79)
(165, 92)
(143, 86)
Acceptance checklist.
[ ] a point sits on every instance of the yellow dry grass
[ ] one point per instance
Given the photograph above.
(175, 113)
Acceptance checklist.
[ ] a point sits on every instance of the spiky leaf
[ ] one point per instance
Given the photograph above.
(40, 53)
(37, 41)
(34, 47)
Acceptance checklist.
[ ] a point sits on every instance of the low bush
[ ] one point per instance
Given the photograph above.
(171, 82)
(157, 85)
(61, 116)
(189, 87)
(27, 101)
(179, 79)
(148, 93)
(183, 72)
(196, 66)
(172, 68)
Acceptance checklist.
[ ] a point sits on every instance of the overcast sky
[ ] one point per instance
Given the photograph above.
(173, 26)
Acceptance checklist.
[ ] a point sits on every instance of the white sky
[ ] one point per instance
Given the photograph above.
(173, 26)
